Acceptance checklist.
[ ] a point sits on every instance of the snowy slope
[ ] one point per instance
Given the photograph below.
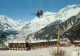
(10, 27)
(10, 24)
(35, 25)
(49, 17)
(66, 15)
(39, 23)
(26, 28)
(67, 12)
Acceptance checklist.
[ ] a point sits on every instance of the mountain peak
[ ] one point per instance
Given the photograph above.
(24, 28)
(67, 12)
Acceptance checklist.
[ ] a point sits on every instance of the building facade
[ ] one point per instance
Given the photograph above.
(18, 45)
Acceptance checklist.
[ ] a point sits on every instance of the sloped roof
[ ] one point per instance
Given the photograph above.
(43, 41)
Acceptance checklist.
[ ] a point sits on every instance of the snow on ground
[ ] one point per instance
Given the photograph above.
(39, 52)
(69, 51)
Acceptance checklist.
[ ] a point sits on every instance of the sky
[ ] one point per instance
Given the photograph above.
(23, 9)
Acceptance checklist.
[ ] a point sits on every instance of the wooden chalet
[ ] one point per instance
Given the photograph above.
(24, 45)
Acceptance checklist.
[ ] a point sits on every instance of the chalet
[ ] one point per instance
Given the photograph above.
(26, 45)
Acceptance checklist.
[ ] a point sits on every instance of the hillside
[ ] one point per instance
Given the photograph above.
(42, 28)
(67, 27)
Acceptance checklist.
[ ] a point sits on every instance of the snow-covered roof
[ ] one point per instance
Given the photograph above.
(15, 41)
(43, 41)
(19, 41)
(38, 41)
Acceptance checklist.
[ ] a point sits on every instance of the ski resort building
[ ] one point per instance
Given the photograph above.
(24, 45)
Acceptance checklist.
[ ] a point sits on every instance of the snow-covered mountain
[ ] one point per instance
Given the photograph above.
(21, 29)
(66, 23)
(10, 27)
(67, 12)
(36, 24)
(39, 23)
(10, 24)
(69, 29)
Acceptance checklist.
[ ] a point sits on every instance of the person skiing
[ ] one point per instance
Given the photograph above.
(41, 13)
(38, 14)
